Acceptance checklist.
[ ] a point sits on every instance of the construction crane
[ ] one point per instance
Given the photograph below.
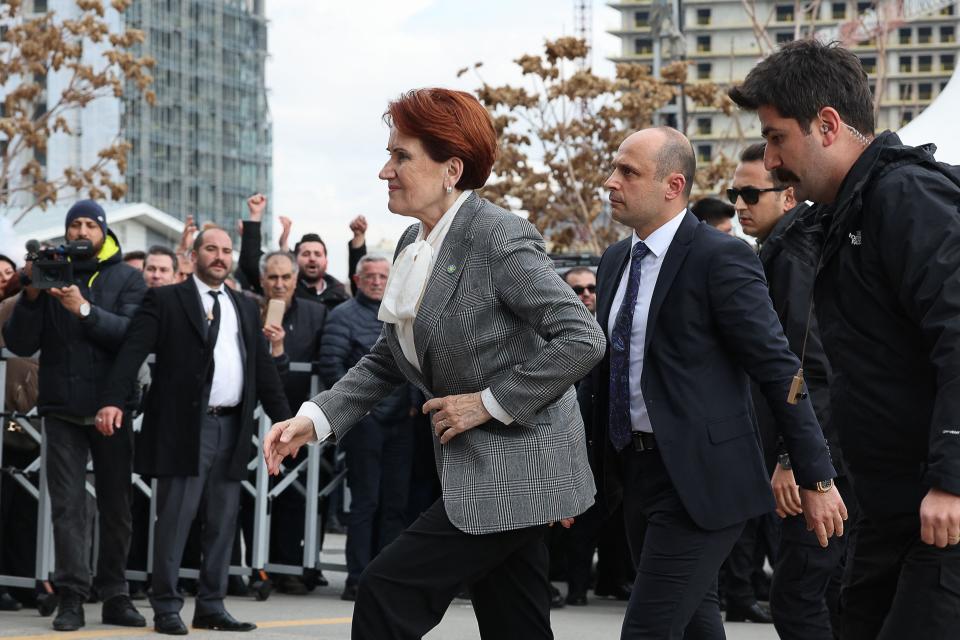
(583, 28)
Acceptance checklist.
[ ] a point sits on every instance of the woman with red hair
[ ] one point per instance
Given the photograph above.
(476, 317)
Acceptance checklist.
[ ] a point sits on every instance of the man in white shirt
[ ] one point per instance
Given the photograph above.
(212, 365)
(681, 304)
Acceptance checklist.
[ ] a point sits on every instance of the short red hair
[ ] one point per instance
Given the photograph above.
(449, 124)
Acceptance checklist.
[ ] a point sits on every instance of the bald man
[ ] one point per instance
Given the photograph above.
(688, 319)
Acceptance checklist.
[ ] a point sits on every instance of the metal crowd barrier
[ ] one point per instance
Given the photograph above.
(303, 477)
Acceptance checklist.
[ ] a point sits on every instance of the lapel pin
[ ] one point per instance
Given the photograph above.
(451, 268)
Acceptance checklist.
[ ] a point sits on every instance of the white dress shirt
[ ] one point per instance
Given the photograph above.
(226, 390)
(657, 242)
(401, 302)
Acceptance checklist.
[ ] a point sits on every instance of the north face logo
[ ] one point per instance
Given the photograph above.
(855, 239)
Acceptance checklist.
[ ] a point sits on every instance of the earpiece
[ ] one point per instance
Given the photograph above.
(825, 129)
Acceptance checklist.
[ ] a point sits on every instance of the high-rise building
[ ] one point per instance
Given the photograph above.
(722, 42)
(206, 144)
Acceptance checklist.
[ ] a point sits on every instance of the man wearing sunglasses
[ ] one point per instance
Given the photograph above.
(805, 591)
(583, 281)
(887, 296)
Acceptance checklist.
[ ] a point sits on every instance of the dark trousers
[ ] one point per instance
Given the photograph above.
(895, 586)
(404, 591)
(803, 596)
(675, 593)
(379, 455)
(179, 499)
(68, 447)
(593, 531)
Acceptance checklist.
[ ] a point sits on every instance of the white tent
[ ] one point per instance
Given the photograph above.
(939, 123)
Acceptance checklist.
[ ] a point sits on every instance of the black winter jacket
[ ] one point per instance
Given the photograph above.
(888, 304)
(350, 333)
(303, 323)
(76, 354)
(789, 256)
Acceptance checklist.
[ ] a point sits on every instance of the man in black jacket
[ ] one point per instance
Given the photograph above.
(887, 297)
(378, 454)
(212, 365)
(804, 594)
(78, 330)
(298, 341)
(313, 281)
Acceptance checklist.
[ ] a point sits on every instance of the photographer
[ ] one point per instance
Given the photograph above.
(78, 324)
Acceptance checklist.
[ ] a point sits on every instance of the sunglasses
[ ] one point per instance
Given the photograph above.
(592, 288)
(750, 195)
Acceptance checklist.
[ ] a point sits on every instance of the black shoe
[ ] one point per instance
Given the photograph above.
(69, 616)
(753, 612)
(222, 621)
(137, 590)
(321, 580)
(119, 610)
(577, 599)
(170, 624)
(620, 592)
(556, 598)
(349, 593)
(291, 585)
(9, 603)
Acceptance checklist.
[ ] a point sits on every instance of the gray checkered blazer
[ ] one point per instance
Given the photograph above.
(494, 314)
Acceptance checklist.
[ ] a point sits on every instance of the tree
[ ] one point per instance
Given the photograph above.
(559, 137)
(33, 48)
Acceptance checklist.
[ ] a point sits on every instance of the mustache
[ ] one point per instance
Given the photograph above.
(785, 175)
(218, 263)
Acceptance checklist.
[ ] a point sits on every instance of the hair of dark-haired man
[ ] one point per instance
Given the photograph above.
(309, 237)
(198, 241)
(754, 153)
(676, 156)
(805, 76)
(575, 271)
(160, 250)
(134, 255)
(712, 210)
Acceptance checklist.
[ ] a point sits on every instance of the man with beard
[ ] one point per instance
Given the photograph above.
(78, 329)
(212, 365)
(887, 298)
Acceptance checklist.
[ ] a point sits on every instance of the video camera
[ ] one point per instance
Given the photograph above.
(52, 266)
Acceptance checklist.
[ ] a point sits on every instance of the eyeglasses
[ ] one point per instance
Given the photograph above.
(592, 288)
(750, 195)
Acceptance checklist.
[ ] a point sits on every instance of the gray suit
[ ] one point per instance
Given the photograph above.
(494, 314)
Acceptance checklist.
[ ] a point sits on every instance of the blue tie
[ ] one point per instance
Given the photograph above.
(620, 426)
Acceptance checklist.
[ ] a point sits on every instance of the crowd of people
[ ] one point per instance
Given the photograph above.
(688, 412)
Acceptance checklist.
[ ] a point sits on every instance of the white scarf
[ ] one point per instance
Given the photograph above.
(409, 276)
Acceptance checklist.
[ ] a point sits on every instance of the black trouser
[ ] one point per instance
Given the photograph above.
(802, 602)
(404, 591)
(675, 593)
(896, 587)
(594, 530)
(179, 499)
(68, 447)
(379, 455)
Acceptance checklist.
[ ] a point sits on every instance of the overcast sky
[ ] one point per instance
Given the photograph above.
(333, 67)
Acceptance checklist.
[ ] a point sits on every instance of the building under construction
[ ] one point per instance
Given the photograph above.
(206, 144)
(908, 48)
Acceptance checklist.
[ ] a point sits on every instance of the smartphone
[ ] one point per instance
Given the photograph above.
(275, 309)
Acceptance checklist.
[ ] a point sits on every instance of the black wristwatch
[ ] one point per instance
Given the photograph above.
(784, 461)
(821, 486)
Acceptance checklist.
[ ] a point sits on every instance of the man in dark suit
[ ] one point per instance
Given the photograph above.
(212, 365)
(683, 303)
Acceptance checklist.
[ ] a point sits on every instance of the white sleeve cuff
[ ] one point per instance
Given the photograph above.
(493, 407)
(320, 423)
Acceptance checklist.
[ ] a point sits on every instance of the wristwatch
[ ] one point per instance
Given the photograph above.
(784, 460)
(821, 486)
(84, 309)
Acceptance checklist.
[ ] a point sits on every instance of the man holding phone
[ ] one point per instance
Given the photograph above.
(294, 328)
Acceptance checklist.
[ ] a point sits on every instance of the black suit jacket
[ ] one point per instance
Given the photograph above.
(171, 324)
(711, 324)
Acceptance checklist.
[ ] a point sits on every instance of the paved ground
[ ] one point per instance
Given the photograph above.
(322, 615)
